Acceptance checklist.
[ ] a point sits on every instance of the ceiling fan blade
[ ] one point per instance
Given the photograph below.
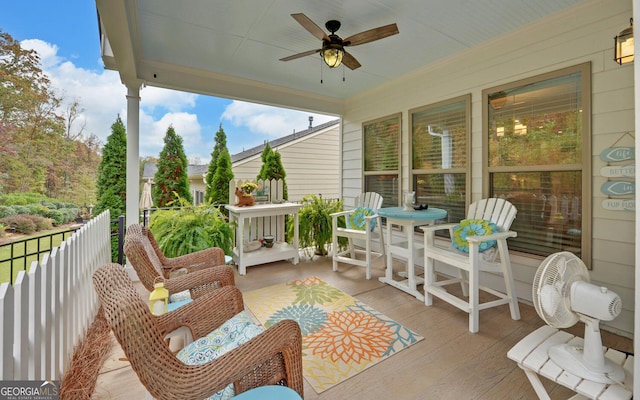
(350, 61)
(311, 26)
(371, 35)
(299, 55)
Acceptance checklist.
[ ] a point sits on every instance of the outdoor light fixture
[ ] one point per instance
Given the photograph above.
(623, 45)
(332, 54)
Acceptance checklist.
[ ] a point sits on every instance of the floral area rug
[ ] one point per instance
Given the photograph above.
(341, 336)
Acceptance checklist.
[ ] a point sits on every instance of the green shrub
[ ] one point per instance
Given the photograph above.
(36, 209)
(27, 224)
(3, 230)
(58, 216)
(6, 211)
(20, 209)
(189, 229)
(21, 199)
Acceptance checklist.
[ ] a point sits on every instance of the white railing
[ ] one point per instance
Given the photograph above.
(49, 309)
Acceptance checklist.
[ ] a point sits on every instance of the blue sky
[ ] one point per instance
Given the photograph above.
(65, 34)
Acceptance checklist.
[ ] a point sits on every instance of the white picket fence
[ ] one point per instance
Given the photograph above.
(49, 309)
(268, 192)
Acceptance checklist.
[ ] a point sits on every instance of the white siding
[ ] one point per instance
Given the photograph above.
(311, 164)
(581, 34)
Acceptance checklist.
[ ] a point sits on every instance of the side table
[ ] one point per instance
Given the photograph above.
(531, 354)
(279, 251)
(407, 220)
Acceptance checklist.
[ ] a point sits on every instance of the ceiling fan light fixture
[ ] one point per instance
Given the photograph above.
(332, 55)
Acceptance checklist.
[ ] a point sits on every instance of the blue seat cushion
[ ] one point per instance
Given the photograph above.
(180, 296)
(473, 227)
(233, 333)
(356, 219)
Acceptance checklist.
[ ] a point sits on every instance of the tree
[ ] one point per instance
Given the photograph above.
(111, 185)
(27, 111)
(221, 178)
(171, 179)
(263, 156)
(272, 168)
(216, 192)
(40, 151)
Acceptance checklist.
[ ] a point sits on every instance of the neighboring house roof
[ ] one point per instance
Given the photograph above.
(281, 141)
(150, 169)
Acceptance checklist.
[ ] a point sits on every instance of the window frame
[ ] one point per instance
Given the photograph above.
(584, 166)
(467, 168)
(398, 171)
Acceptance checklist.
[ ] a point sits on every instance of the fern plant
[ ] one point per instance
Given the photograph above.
(181, 231)
(315, 229)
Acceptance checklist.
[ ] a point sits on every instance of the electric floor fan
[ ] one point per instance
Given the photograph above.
(562, 296)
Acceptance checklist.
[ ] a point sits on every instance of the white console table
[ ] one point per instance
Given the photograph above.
(281, 250)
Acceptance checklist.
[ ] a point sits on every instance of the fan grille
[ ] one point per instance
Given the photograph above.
(551, 286)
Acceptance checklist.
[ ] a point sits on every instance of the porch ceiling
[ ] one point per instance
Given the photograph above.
(232, 49)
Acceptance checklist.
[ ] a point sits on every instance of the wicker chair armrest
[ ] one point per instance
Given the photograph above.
(271, 357)
(211, 256)
(199, 282)
(204, 314)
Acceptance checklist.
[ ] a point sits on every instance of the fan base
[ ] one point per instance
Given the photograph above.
(571, 359)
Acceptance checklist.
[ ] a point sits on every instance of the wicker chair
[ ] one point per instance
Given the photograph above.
(272, 357)
(203, 270)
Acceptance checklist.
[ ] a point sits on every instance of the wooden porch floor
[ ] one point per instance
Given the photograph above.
(450, 363)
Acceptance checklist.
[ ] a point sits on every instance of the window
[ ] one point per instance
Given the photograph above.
(381, 148)
(440, 135)
(537, 140)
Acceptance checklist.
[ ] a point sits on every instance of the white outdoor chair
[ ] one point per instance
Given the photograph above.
(361, 226)
(469, 265)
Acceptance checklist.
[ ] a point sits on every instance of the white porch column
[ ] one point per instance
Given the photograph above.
(133, 153)
(636, 311)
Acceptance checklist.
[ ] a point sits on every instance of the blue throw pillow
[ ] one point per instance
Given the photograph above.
(356, 219)
(473, 227)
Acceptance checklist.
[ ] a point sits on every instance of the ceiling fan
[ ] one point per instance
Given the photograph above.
(332, 51)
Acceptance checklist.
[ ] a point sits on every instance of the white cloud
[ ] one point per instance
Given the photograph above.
(47, 52)
(152, 132)
(273, 122)
(153, 98)
(102, 97)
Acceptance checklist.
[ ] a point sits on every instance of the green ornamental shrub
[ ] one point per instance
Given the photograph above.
(181, 231)
(6, 211)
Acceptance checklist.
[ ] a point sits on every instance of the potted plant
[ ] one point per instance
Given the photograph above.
(245, 194)
(314, 217)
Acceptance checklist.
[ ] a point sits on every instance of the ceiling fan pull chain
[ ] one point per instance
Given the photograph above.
(321, 70)
(343, 73)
